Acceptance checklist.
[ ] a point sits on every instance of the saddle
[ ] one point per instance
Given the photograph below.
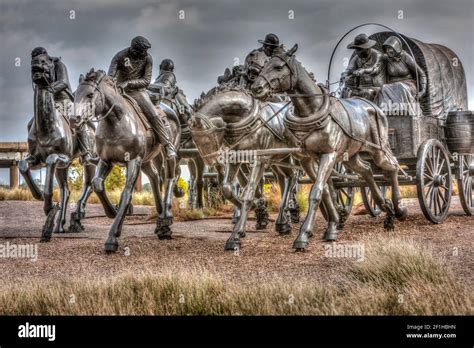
(138, 111)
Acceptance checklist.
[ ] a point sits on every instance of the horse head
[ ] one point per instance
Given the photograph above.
(279, 75)
(208, 135)
(42, 70)
(89, 98)
(255, 63)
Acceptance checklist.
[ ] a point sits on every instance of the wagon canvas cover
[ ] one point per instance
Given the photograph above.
(446, 89)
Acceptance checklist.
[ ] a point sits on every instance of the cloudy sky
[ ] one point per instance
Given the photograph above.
(210, 37)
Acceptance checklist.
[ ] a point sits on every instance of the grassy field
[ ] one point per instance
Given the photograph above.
(397, 276)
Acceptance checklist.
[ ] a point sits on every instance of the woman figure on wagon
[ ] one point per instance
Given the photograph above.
(398, 95)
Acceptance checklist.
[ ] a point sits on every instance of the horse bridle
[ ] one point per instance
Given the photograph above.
(96, 84)
(292, 75)
(210, 131)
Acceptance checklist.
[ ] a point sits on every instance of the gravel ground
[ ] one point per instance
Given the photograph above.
(200, 244)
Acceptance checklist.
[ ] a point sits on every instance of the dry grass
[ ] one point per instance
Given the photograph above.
(397, 277)
(19, 194)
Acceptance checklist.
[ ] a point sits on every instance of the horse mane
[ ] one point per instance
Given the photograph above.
(222, 88)
(281, 52)
(95, 76)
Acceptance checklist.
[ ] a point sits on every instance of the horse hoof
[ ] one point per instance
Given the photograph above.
(283, 229)
(242, 234)
(402, 214)
(164, 237)
(260, 226)
(330, 236)
(60, 230)
(389, 223)
(45, 239)
(75, 227)
(299, 245)
(232, 245)
(110, 248)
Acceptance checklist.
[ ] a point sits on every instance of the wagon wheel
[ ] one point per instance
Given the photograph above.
(345, 195)
(465, 183)
(433, 180)
(369, 201)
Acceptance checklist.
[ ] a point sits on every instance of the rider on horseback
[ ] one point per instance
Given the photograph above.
(165, 87)
(62, 98)
(165, 83)
(133, 68)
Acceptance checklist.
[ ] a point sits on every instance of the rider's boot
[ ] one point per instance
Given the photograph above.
(163, 137)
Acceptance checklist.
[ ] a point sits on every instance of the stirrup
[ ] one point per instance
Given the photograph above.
(170, 151)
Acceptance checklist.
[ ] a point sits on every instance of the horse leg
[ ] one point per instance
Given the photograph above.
(261, 213)
(391, 171)
(61, 177)
(165, 219)
(76, 216)
(227, 188)
(50, 211)
(153, 176)
(102, 171)
(51, 162)
(328, 201)
(364, 169)
(199, 182)
(326, 163)
(282, 225)
(293, 206)
(192, 184)
(25, 171)
(248, 196)
(133, 170)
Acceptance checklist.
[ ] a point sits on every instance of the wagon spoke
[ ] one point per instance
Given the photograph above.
(441, 195)
(435, 201)
(441, 202)
(428, 168)
(437, 158)
(441, 166)
(429, 196)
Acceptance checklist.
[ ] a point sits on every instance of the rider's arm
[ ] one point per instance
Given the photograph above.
(416, 70)
(145, 81)
(62, 80)
(351, 67)
(114, 65)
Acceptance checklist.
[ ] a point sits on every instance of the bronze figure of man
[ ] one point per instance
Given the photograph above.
(61, 90)
(132, 67)
(365, 73)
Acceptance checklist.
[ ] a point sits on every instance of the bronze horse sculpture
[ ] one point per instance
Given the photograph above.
(53, 144)
(194, 161)
(231, 118)
(124, 138)
(329, 129)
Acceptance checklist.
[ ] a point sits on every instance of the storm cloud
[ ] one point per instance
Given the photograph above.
(212, 35)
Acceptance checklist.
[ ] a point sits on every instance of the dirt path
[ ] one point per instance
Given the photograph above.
(200, 243)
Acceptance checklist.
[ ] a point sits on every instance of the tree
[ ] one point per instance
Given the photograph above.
(116, 179)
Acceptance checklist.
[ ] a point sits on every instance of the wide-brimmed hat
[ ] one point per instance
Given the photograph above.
(270, 40)
(362, 41)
